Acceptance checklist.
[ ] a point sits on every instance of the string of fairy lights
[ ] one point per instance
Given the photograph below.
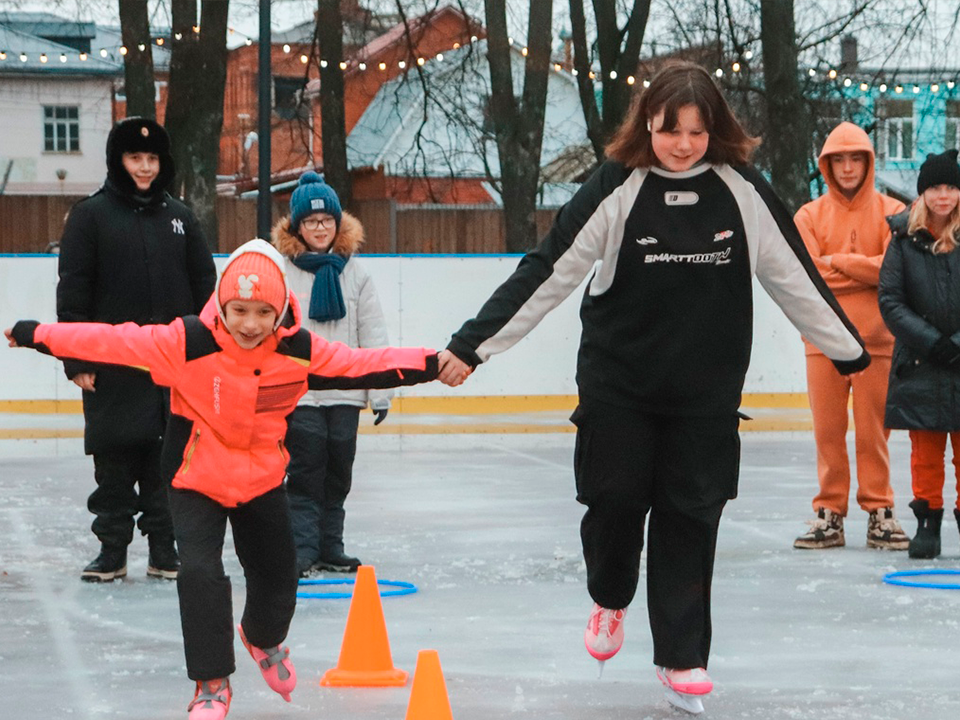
(735, 69)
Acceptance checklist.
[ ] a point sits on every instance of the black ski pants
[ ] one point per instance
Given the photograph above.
(264, 545)
(322, 442)
(679, 470)
(116, 501)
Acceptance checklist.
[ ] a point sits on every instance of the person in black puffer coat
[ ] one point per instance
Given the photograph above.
(130, 253)
(920, 303)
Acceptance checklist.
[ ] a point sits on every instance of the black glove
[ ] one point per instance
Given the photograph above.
(381, 415)
(23, 333)
(944, 352)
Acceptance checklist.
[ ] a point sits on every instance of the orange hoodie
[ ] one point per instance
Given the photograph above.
(854, 234)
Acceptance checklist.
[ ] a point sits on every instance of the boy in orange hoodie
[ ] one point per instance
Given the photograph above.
(846, 232)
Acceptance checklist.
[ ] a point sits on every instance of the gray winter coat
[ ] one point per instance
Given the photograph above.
(363, 325)
(920, 303)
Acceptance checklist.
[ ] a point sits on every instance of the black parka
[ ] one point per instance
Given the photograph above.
(920, 303)
(129, 257)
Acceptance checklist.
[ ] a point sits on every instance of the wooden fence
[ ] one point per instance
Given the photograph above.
(28, 224)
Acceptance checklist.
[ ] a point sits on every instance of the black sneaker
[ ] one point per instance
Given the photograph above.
(163, 562)
(337, 562)
(109, 565)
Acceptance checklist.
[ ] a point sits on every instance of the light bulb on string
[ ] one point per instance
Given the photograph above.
(613, 74)
(343, 66)
(883, 87)
(736, 67)
(631, 80)
(811, 72)
(864, 87)
(123, 49)
(323, 63)
(382, 66)
(103, 52)
(402, 64)
(935, 88)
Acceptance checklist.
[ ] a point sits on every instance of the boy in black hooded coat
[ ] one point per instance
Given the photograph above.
(130, 253)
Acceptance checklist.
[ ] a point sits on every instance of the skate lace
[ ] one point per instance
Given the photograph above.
(608, 620)
(208, 695)
(888, 523)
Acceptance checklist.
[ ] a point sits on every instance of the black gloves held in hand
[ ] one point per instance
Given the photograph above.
(23, 332)
(945, 352)
(381, 415)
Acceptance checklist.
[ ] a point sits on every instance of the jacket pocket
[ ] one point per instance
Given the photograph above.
(190, 451)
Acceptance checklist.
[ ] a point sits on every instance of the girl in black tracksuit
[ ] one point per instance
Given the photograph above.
(679, 225)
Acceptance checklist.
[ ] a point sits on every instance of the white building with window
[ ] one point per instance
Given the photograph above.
(56, 105)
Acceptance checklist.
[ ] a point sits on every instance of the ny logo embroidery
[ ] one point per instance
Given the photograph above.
(178, 226)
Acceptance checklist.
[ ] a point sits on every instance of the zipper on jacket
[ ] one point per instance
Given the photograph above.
(280, 448)
(193, 448)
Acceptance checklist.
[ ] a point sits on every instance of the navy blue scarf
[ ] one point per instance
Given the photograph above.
(326, 298)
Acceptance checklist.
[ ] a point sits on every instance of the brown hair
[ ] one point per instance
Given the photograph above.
(920, 216)
(677, 85)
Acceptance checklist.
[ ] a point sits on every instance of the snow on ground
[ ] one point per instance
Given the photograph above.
(487, 527)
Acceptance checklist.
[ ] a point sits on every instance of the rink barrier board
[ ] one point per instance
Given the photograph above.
(769, 412)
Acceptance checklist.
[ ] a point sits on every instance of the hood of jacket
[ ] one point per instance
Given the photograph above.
(127, 136)
(346, 242)
(847, 137)
(285, 317)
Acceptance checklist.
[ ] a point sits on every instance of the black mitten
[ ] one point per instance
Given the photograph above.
(23, 333)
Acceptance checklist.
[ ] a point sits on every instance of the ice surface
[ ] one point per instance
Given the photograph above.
(487, 527)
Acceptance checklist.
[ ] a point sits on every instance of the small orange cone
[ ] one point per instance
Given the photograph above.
(365, 653)
(428, 698)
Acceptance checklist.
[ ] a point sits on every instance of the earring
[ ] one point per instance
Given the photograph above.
(649, 126)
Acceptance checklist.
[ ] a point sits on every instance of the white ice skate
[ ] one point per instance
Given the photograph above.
(684, 688)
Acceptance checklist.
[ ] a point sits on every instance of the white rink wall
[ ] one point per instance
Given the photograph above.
(425, 299)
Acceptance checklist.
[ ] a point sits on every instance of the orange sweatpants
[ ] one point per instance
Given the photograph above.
(926, 465)
(829, 392)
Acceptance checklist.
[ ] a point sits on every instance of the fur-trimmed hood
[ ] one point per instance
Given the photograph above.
(347, 241)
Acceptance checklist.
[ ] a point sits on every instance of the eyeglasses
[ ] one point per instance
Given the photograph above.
(327, 223)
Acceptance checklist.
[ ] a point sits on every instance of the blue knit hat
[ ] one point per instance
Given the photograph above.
(313, 195)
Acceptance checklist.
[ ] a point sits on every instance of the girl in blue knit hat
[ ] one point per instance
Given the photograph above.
(321, 240)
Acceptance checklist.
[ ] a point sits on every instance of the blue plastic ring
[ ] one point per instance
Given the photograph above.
(895, 578)
(403, 588)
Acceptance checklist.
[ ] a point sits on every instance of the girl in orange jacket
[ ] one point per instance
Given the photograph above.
(235, 373)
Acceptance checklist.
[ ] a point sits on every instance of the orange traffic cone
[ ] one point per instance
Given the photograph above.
(428, 698)
(365, 653)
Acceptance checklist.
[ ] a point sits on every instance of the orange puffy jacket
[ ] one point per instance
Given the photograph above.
(229, 405)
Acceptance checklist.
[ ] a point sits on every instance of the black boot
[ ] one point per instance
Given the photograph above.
(926, 543)
(110, 564)
(163, 561)
(332, 556)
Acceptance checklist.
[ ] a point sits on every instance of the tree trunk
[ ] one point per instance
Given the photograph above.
(619, 52)
(198, 71)
(519, 125)
(787, 117)
(333, 127)
(138, 81)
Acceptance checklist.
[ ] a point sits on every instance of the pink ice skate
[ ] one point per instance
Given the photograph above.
(684, 688)
(211, 701)
(275, 666)
(604, 634)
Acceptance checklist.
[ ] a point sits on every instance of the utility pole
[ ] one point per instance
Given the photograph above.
(264, 111)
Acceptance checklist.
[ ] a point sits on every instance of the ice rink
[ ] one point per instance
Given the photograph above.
(487, 527)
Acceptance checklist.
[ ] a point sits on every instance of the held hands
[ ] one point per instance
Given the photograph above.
(453, 370)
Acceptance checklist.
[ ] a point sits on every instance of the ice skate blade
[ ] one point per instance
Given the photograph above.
(600, 663)
(688, 703)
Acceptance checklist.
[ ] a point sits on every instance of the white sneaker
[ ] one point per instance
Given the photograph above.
(604, 634)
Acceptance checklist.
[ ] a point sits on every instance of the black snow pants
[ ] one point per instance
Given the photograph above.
(681, 470)
(264, 545)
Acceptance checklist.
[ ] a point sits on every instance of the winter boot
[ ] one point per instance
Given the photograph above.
(884, 531)
(926, 543)
(163, 561)
(684, 688)
(332, 556)
(604, 634)
(211, 701)
(110, 564)
(275, 666)
(826, 531)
